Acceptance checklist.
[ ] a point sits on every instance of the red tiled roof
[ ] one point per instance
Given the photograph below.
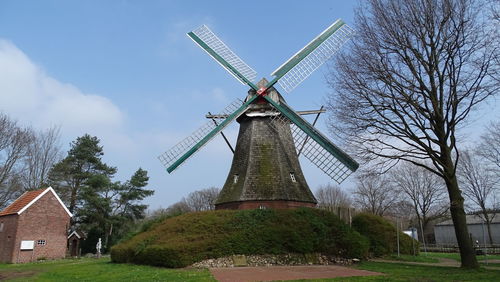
(21, 202)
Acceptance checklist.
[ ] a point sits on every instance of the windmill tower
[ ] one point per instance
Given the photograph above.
(265, 171)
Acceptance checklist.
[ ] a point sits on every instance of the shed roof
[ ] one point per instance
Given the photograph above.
(474, 219)
(79, 234)
(29, 198)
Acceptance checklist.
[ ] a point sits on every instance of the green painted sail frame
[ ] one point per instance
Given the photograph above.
(314, 134)
(221, 60)
(301, 54)
(283, 108)
(212, 133)
(283, 69)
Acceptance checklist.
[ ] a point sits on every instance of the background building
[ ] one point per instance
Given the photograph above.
(445, 232)
(34, 227)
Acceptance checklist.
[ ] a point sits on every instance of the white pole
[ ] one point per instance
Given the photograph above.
(484, 242)
(412, 239)
(397, 232)
(423, 237)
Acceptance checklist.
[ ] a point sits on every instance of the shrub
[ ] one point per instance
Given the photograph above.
(185, 239)
(382, 235)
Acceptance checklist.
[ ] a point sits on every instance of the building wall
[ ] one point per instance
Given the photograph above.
(45, 220)
(7, 237)
(445, 234)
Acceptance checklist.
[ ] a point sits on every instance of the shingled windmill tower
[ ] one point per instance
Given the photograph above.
(265, 171)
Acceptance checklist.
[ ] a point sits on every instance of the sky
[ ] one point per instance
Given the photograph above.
(126, 72)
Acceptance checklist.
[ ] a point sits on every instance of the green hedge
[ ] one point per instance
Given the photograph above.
(185, 239)
(382, 235)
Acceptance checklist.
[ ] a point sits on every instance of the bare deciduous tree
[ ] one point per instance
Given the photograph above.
(374, 194)
(415, 71)
(479, 185)
(178, 208)
(402, 211)
(42, 153)
(489, 146)
(202, 200)
(331, 197)
(14, 142)
(25, 158)
(424, 190)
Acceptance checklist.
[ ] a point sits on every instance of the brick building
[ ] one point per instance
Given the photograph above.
(34, 226)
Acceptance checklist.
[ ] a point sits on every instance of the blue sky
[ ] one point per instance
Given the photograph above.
(125, 71)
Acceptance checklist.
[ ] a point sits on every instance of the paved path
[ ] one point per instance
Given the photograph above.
(442, 262)
(270, 273)
(446, 262)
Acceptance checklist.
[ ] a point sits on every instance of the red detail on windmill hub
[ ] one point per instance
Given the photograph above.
(262, 91)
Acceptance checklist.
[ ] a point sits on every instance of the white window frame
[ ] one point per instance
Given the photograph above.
(41, 242)
(292, 176)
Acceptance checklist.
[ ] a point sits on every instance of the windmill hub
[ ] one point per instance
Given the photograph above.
(262, 91)
(261, 107)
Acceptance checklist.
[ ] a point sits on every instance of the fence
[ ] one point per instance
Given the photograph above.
(480, 249)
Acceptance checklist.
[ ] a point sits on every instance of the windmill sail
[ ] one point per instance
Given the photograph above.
(219, 51)
(178, 154)
(309, 141)
(314, 146)
(312, 56)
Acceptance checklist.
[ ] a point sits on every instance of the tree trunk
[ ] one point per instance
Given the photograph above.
(488, 226)
(467, 254)
(420, 235)
(72, 199)
(106, 239)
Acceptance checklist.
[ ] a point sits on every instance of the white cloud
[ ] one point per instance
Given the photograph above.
(28, 94)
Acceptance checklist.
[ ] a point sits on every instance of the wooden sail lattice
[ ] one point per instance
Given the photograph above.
(314, 152)
(170, 156)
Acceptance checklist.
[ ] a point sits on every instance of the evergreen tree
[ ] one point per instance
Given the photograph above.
(101, 207)
(69, 176)
(111, 208)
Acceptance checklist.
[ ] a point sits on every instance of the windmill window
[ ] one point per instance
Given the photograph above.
(235, 179)
(292, 176)
(1, 226)
(262, 207)
(41, 242)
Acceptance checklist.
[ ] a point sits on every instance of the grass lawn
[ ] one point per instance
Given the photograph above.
(104, 270)
(403, 272)
(411, 258)
(434, 258)
(96, 270)
(456, 256)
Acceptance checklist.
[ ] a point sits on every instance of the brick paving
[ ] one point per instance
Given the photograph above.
(244, 274)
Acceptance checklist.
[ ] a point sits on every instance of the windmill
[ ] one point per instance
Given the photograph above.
(265, 170)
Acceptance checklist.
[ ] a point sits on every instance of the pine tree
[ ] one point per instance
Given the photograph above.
(69, 176)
